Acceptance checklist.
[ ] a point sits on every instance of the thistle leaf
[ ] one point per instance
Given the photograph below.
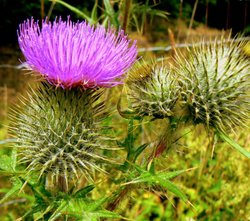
(83, 192)
(233, 144)
(89, 210)
(16, 186)
(161, 179)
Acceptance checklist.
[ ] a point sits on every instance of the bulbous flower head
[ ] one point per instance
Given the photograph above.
(69, 54)
(215, 80)
(153, 90)
(59, 133)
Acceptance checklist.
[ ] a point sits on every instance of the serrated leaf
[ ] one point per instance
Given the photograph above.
(89, 210)
(233, 144)
(161, 179)
(147, 176)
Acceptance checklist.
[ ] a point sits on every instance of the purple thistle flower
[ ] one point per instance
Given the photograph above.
(69, 54)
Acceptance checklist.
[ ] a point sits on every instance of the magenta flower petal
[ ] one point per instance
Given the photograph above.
(72, 54)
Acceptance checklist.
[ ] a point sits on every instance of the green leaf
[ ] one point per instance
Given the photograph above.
(13, 157)
(74, 9)
(96, 204)
(41, 195)
(161, 179)
(105, 21)
(89, 210)
(110, 12)
(58, 212)
(94, 12)
(108, 7)
(139, 150)
(105, 214)
(235, 145)
(42, 209)
(17, 185)
(173, 188)
(30, 212)
(6, 163)
(216, 187)
(83, 192)
(147, 176)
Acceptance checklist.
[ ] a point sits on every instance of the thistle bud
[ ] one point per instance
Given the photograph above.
(214, 78)
(58, 133)
(153, 90)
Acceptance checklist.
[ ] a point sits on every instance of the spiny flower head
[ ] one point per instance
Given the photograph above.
(58, 133)
(69, 54)
(215, 80)
(153, 90)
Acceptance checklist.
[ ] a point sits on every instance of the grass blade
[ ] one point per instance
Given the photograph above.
(235, 145)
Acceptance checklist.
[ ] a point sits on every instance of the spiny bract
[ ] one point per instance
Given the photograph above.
(58, 133)
(214, 78)
(153, 90)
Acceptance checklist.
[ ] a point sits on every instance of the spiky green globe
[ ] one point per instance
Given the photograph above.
(215, 80)
(153, 90)
(58, 133)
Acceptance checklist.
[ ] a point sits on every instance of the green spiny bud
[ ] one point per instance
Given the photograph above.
(214, 79)
(153, 90)
(58, 133)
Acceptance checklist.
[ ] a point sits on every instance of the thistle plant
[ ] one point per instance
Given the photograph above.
(62, 145)
(58, 132)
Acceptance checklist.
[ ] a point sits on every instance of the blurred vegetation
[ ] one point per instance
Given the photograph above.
(218, 185)
(223, 14)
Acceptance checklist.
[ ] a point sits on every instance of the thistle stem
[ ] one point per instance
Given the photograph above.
(62, 184)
